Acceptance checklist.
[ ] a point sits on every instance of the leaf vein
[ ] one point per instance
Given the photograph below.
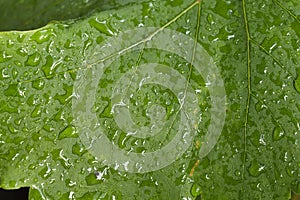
(248, 92)
(287, 10)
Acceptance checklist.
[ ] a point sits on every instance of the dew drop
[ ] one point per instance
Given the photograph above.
(47, 67)
(102, 26)
(58, 155)
(195, 190)
(4, 56)
(68, 132)
(46, 172)
(21, 37)
(38, 84)
(256, 169)
(10, 43)
(278, 133)
(210, 19)
(70, 183)
(36, 112)
(78, 149)
(22, 51)
(12, 90)
(42, 36)
(18, 63)
(237, 173)
(33, 59)
(91, 179)
(259, 106)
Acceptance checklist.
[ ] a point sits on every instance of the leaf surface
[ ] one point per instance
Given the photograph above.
(255, 46)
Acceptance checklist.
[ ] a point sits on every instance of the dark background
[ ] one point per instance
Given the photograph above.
(19, 194)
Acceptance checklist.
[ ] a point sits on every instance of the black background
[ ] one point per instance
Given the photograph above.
(20, 194)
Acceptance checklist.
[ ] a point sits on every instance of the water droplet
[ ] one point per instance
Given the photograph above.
(12, 90)
(57, 155)
(68, 132)
(70, 183)
(64, 97)
(278, 133)
(43, 35)
(18, 63)
(259, 106)
(195, 190)
(33, 59)
(210, 19)
(91, 179)
(47, 67)
(78, 149)
(38, 84)
(21, 37)
(4, 56)
(102, 26)
(10, 43)
(22, 51)
(297, 83)
(256, 168)
(237, 173)
(45, 172)
(69, 44)
(36, 112)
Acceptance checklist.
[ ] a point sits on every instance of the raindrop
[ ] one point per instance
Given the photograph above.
(195, 190)
(78, 149)
(4, 56)
(68, 132)
(12, 90)
(256, 169)
(10, 43)
(278, 133)
(33, 59)
(259, 106)
(102, 26)
(210, 19)
(42, 36)
(38, 84)
(297, 83)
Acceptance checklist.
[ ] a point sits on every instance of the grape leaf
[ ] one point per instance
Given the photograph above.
(253, 44)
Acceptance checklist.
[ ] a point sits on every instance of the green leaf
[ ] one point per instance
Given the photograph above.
(64, 86)
(31, 14)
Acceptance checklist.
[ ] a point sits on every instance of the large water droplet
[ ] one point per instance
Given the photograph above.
(47, 67)
(278, 133)
(57, 155)
(4, 56)
(210, 19)
(102, 26)
(297, 83)
(12, 90)
(45, 172)
(256, 168)
(68, 132)
(259, 106)
(10, 43)
(43, 35)
(38, 84)
(195, 190)
(91, 179)
(70, 183)
(78, 149)
(33, 59)
(36, 112)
